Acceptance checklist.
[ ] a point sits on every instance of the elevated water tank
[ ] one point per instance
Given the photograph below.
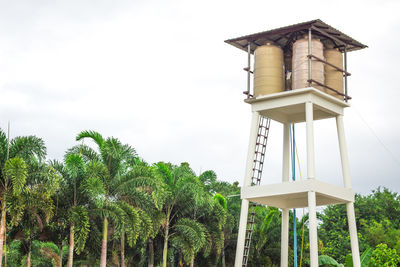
(300, 63)
(333, 77)
(268, 70)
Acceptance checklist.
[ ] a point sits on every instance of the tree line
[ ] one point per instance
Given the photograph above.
(103, 205)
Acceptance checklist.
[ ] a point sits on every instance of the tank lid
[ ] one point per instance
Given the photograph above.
(286, 35)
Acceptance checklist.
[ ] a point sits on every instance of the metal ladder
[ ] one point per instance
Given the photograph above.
(259, 155)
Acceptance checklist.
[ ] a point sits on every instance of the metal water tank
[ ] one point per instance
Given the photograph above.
(268, 70)
(334, 77)
(300, 63)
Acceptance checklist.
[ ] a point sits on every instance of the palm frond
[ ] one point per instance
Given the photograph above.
(87, 153)
(80, 218)
(183, 170)
(27, 147)
(192, 236)
(99, 170)
(208, 177)
(146, 225)
(74, 164)
(93, 187)
(130, 221)
(124, 183)
(15, 208)
(165, 173)
(15, 171)
(157, 218)
(192, 230)
(137, 198)
(58, 166)
(37, 201)
(190, 188)
(3, 148)
(220, 200)
(112, 211)
(95, 136)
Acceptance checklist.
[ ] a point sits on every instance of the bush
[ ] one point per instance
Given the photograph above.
(384, 256)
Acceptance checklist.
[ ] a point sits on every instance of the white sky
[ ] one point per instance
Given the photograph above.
(157, 75)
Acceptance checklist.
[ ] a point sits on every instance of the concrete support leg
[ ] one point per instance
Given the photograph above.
(247, 182)
(310, 141)
(311, 195)
(285, 238)
(351, 218)
(242, 233)
(286, 153)
(252, 148)
(313, 229)
(343, 151)
(285, 212)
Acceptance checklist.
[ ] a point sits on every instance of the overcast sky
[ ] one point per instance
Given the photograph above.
(157, 75)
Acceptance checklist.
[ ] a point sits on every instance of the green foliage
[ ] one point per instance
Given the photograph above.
(377, 216)
(381, 232)
(366, 257)
(149, 206)
(220, 200)
(384, 256)
(131, 222)
(189, 236)
(325, 260)
(49, 251)
(15, 173)
(80, 220)
(27, 148)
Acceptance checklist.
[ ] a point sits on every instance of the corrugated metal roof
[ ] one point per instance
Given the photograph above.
(285, 36)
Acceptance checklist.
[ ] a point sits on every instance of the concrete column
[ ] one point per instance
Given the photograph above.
(310, 141)
(286, 153)
(285, 238)
(311, 195)
(242, 233)
(313, 229)
(343, 151)
(351, 218)
(285, 212)
(252, 148)
(247, 182)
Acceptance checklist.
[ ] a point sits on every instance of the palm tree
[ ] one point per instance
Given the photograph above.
(116, 160)
(143, 196)
(215, 223)
(189, 237)
(72, 200)
(14, 177)
(14, 155)
(34, 206)
(181, 187)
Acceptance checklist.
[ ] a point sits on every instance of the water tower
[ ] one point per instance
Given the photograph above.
(300, 75)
